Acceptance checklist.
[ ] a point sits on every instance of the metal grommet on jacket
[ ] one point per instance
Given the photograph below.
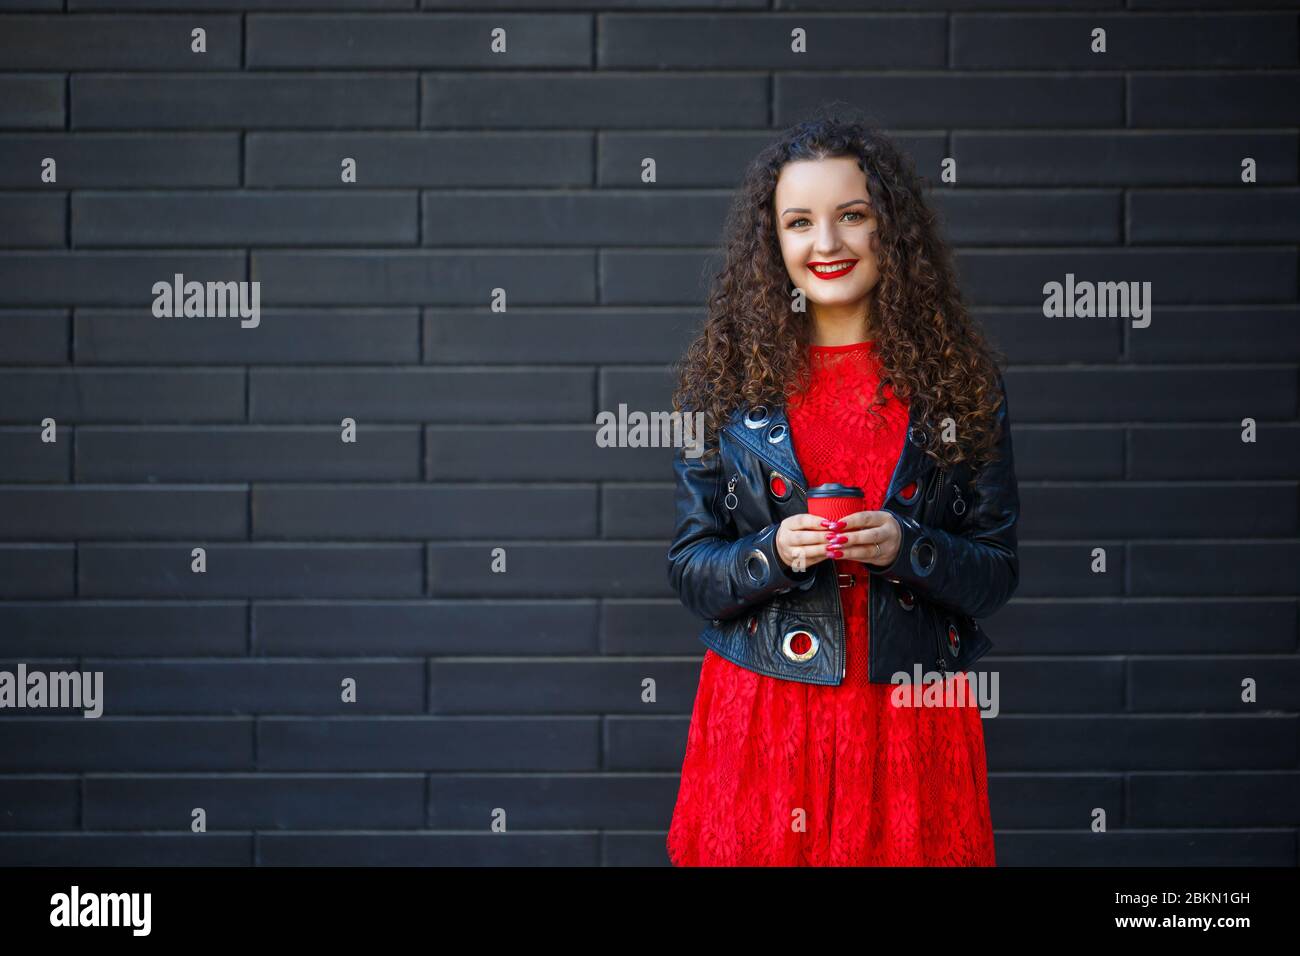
(777, 484)
(757, 417)
(917, 435)
(908, 493)
(954, 639)
(906, 599)
(923, 555)
(757, 568)
(776, 434)
(800, 644)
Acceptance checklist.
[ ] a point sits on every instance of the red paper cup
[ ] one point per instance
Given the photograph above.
(835, 501)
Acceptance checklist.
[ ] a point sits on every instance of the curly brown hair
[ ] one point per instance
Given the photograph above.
(753, 345)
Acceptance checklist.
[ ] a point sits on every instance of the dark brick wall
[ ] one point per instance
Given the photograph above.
(371, 560)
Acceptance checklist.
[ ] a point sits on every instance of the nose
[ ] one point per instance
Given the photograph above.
(828, 245)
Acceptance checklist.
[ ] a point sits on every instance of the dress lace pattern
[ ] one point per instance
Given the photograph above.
(782, 773)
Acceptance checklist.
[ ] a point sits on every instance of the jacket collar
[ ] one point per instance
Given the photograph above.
(765, 430)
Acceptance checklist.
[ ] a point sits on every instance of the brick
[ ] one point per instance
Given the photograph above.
(32, 102)
(561, 687)
(1208, 452)
(38, 803)
(230, 218)
(1257, 98)
(125, 628)
(1119, 157)
(602, 217)
(34, 219)
(1250, 798)
(96, 512)
(1259, 568)
(399, 277)
(1147, 625)
(126, 849)
(121, 160)
(237, 687)
(431, 159)
(121, 744)
(422, 848)
(34, 336)
(255, 801)
(119, 42)
(75, 395)
(423, 628)
(281, 337)
(736, 41)
(243, 100)
(588, 335)
(1213, 216)
(971, 100)
(554, 569)
(1206, 42)
(237, 570)
(709, 158)
(552, 802)
(244, 453)
(430, 744)
(107, 277)
(610, 100)
(540, 453)
(1212, 684)
(24, 457)
(423, 41)
(410, 512)
(37, 570)
(384, 396)
(1005, 217)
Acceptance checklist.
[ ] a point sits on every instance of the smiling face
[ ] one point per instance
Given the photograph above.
(824, 221)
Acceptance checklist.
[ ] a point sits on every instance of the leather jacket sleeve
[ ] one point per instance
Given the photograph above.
(977, 571)
(717, 577)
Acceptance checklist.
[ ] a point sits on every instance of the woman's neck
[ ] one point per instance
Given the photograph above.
(841, 325)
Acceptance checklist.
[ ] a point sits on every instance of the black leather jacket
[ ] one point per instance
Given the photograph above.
(957, 562)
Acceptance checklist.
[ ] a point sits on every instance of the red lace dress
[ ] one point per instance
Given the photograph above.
(783, 773)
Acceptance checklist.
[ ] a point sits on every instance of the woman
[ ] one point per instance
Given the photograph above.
(838, 298)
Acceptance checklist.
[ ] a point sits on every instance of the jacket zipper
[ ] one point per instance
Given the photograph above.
(844, 631)
(731, 492)
(936, 487)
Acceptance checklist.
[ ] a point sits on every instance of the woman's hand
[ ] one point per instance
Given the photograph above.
(806, 539)
(873, 537)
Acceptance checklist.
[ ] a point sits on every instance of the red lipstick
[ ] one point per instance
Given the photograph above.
(845, 267)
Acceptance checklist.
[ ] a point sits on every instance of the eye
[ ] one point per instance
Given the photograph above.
(794, 223)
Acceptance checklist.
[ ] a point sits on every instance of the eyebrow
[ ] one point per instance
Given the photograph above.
(840, 206)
